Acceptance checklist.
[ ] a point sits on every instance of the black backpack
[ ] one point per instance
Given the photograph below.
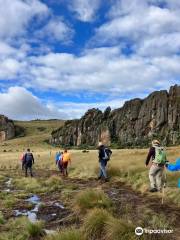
(28, 157)
(107, 154)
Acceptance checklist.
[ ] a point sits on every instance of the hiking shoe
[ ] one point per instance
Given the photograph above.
(106, 179)
(98, 178)
(153, 190)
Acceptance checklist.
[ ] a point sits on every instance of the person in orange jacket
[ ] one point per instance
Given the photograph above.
(66, 159)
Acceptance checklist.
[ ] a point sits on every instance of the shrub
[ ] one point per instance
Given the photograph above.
(92, 198)
(35, 229)
(94, 224)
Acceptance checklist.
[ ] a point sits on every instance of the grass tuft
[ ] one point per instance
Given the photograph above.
(35, 229)
(90, 198)
(116, 229)
(95, 222)
(69, 234)
(2, 221)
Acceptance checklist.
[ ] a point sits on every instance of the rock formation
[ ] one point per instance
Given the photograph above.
(134, 124)
(7, 128)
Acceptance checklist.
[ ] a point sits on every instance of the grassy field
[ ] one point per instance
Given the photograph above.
(91, 209)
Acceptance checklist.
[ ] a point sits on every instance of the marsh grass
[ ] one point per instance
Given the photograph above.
(2, 220)
(100, 224)
(116, 229)
(53, 183)
(91, 198)
(15, 229)
(35, 229)
(31, 185)
(95, 223)
(68, 234)
(7, 200)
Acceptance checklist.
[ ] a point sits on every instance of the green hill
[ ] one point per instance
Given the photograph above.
(33, 133)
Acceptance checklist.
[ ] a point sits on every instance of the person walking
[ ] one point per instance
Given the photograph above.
(22, 160)
(158, 155)
(28, 162)
(104, 157)
(66, 159)
(60, 162)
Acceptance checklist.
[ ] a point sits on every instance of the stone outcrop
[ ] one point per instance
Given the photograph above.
(134, 124)
(7, 128)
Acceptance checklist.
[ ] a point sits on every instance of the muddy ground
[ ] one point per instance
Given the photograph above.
(57, 210)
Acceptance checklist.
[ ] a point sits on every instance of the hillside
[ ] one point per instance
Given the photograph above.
(32, 134)
(134, 124)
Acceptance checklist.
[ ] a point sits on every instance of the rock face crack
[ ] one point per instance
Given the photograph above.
(134, 124)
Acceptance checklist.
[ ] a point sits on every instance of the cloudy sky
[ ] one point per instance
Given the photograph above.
(59, 58)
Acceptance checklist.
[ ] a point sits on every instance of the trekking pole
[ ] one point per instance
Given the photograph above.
(164, 186)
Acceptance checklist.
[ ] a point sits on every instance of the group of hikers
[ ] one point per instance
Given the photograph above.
(62, 159)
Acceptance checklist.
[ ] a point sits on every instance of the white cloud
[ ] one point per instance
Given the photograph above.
(104, 70)
(57, 29)
(15, 16)
(85, 10)
(138, 23)
(163, 45)
(19, 103)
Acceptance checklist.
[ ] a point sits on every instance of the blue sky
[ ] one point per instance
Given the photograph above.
(58, 58)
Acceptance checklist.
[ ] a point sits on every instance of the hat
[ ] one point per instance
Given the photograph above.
(155, 142)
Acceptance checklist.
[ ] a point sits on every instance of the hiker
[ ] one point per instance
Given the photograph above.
(22, 160)
(28, 162)
(159, 160)
(58, 154)
(59, 162)
(66, 158)
(104, 157)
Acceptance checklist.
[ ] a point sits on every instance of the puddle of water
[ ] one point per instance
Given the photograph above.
(59, 205)
(7, 190)
(49, 232)
(34, 199)
(20, 213)
(8, 182)
(32, 215)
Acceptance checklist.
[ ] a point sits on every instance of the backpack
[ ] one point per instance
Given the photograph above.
(160, 155)
(107, 154)
(22, 157)
(28, 157)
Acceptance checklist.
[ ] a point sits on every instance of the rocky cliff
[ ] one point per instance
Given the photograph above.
(134, 124)
(7, 128)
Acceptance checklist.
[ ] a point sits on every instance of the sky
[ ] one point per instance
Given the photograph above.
(59, 58)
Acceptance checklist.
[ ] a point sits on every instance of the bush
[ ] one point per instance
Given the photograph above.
(95, 222)
(92, 198)
(35, 229)
(70, 234)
